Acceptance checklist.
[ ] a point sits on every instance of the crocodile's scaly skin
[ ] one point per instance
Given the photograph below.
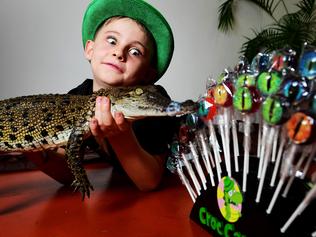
(40, 122)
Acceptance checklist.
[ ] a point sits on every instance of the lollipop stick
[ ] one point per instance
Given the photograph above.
(275, 144)
(285, 170)
(235, 143)
(309, 161)
(197, 164)
(246, 151)
(259, 136)
(191, 173)
(266, 161)
(186, 183)
(310, 195)
(291, 179)
(223, 137)
(264, 140)
(227, 139)
(278, 161)
(213, 141)
(206, 159)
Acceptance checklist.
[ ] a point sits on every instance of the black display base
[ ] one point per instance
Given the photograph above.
(254, 220)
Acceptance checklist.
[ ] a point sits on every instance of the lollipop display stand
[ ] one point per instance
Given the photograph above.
(253, 219)
(245, 154)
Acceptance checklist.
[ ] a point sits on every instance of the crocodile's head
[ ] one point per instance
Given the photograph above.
(145, 101)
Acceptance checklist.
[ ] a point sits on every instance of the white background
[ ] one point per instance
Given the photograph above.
(41, 49)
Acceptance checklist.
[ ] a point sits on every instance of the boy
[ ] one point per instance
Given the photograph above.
(128, 43)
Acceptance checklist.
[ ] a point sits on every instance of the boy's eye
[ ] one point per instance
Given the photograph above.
(135, 52)
(111, 40)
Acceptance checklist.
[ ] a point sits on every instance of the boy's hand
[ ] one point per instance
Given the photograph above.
(104, 124)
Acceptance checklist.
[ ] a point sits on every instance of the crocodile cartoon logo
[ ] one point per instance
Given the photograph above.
(229, 199)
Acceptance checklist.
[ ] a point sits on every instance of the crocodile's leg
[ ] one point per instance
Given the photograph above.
(74, 158)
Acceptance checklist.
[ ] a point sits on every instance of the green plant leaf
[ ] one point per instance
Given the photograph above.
(226, 17)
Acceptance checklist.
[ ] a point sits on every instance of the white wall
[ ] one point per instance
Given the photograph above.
(41, 49)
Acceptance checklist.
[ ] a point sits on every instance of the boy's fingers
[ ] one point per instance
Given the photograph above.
(120, 121)
(103, 112)
(94, 127)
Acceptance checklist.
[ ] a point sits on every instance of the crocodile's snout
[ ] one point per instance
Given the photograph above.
(176, 108)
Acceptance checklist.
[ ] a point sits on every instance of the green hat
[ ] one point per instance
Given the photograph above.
(100, 10)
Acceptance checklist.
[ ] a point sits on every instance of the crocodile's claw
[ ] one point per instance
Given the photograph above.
(83, 186)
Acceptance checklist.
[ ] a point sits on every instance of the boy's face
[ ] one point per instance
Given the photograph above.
(120, 54)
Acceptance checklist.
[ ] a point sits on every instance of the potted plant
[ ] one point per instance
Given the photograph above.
(291, 29)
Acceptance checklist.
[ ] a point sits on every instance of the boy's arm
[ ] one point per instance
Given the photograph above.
(144, 169)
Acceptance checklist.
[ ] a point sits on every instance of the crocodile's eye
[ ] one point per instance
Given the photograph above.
(269, 83)
(139, 91)
(295, 89)
(222, 95)
(246, 99)
(245, 80)
(272, 111)
(307, 65)
(299, 127)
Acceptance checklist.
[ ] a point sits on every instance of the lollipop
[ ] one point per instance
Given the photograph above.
(274, 113)
(300, 130)
(295, 88)
(283, 61)
(307, 63)
(260, 63)
(195, 125)
(174, 165)
(207, 111)
(222, 94)
(185, 135)
(269, 83)
(247, 101)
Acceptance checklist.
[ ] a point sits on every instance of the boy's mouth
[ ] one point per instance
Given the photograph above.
(115, 67)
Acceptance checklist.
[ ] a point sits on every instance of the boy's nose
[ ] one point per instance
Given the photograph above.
(119, 55)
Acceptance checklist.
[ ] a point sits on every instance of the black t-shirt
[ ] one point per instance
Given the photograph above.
(153, 133)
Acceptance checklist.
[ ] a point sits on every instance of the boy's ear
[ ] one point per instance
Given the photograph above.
(88, 50)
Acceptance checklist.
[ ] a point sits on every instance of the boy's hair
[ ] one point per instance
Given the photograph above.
(99, 11)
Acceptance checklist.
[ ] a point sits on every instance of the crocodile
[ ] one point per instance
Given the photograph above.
(45, 121)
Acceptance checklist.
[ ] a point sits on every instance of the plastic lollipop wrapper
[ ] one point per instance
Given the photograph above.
(242, 66)
(283, 61)
(311, 195)
(295, 88)
(301, 128)
(245, 80)
(307, 62)
(260, 63)
(269, 83)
